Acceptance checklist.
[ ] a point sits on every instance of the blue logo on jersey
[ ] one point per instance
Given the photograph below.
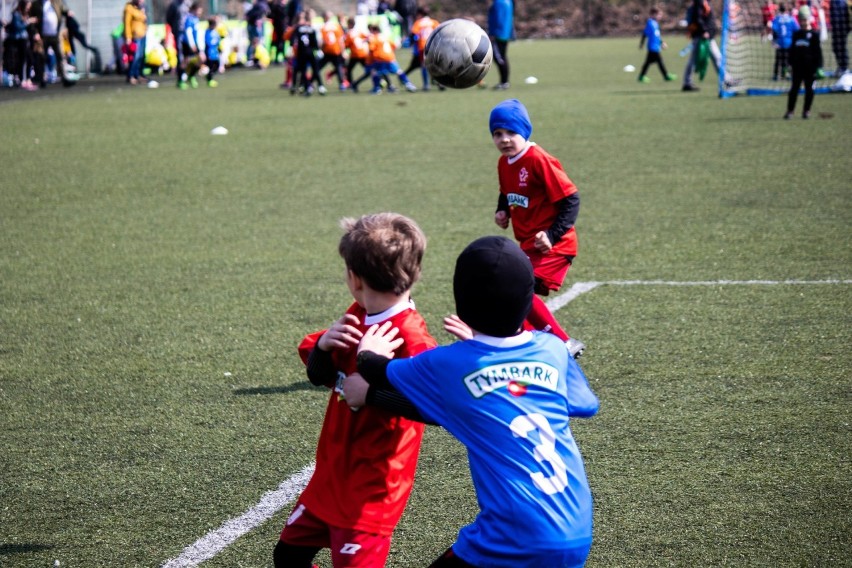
(494, 377)
(516, 200)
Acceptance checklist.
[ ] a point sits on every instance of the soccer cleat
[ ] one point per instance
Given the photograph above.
(322, 90)
(644, 79)
(671, 77)
(213, 83)
(193, 82)
(575, 347)
(411, 87)
(806, 115)
(689, 88)
(376, 91)
(182, 86)
(501, 86)
(788, 115)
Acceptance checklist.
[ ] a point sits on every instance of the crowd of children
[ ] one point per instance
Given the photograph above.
(344, 43)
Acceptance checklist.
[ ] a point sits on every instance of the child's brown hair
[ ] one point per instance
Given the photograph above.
(383, 249)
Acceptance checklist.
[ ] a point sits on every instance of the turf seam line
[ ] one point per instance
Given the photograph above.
(270, 503)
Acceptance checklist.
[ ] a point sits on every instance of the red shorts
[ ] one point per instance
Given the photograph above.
(550, 269)
(350, 548)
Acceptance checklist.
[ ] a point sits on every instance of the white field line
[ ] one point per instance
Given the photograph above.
(270, 503)
(582, 287)
(216, 541)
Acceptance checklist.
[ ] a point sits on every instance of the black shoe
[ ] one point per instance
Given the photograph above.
(806, 115)
(690, 88)
(788, 115)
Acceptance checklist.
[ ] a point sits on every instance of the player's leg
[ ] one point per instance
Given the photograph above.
(550, 271)
(648, 60)
(690, 65)
(794, 93)
(810, 77)
(662, 66)
(302, 537)
(291, 556)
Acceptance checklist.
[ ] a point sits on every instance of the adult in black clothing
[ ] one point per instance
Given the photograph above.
(805, 59)
(176, 15)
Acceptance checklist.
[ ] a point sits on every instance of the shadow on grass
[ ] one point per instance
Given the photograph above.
(7, 549)
(305, 386)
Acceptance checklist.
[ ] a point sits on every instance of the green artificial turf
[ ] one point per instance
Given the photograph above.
(156, 280)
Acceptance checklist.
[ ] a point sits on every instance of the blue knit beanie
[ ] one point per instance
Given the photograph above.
(511, 115)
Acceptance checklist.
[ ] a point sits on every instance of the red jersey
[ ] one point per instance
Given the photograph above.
(366, 459)
(534, 182)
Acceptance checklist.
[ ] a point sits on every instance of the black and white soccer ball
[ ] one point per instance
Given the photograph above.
(458, 54)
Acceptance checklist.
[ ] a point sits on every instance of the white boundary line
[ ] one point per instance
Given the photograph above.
(271, 502)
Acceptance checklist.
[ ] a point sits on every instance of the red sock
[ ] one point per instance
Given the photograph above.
(541, 319)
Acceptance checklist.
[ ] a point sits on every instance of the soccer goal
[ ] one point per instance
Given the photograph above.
(748, 55)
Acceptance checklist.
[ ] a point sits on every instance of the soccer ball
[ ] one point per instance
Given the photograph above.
(458, 54)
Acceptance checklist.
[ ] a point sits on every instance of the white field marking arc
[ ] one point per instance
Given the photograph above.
(216, 541)
(271, 502)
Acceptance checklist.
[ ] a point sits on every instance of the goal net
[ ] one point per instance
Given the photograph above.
(748, 54)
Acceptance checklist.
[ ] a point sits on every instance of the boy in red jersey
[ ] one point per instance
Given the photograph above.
(366, 457)
(542, 203)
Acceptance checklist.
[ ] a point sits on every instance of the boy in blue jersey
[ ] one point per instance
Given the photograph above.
(783, 26)
(211, 49)
(655, 44)
(519, 388)
(190, 46)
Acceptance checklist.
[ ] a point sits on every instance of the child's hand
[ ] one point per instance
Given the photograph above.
(502, 219)
(455, 326)
(355, 390)
(341, 335)
(381, 340)
(542, 241)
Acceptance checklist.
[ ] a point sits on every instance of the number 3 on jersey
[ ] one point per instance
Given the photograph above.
(545, 451)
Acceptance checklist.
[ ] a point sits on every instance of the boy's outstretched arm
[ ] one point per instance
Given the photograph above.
(582, 402)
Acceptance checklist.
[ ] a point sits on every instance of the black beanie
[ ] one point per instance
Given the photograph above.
(493, 286)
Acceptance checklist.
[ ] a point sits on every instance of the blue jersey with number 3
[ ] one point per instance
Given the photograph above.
(508, 401)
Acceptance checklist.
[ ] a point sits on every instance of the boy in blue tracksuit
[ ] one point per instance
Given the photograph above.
(655, 44)
(506, 395)
(211, 49)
